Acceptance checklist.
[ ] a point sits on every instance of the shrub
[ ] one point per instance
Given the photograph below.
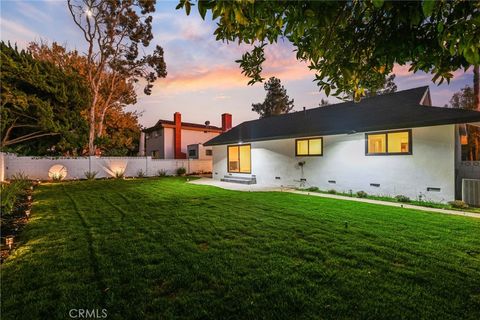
(362, 194)
(402, 198)
(332, 191)
(10, 193)
(141, 173)
(162, 173)
(119, 174)
(458, 204)
(313, 189)
(90, 175)
(181, 171)
(57, 176)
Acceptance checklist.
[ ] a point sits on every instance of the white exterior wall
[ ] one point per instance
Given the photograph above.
(432, 164)
(37, 168)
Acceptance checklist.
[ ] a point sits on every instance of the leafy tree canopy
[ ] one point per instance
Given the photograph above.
(353, 45)
(41, 105)
(276, 102)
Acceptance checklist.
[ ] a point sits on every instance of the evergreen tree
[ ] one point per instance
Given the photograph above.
(276, 102)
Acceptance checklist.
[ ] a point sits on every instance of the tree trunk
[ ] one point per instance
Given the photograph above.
(91, 135)
(476, 86)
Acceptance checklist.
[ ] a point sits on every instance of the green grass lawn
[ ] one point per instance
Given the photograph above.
(165, 249)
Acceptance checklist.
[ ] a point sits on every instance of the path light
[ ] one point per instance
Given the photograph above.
(9, 242)
(27, 213)
(29, 198)
(31, 187)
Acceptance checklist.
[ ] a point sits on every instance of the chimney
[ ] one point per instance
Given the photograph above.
(226, 122)
(177, 136)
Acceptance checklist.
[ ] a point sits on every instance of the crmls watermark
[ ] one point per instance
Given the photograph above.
(87, 313)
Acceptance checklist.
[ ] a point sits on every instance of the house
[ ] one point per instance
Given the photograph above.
(392, 144)
(178, 140)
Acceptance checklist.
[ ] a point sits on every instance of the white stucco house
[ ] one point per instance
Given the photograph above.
(392, 144)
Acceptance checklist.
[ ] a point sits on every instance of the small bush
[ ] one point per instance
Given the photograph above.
(141, 173)
(10, 194)
(313, 189)
(19, 176)
(119, 174)
(458, 204)
(332, 191)
(57, 176)
(90, 175)
(181, 171)
(362, 194)
(162, 173)
(402, 198)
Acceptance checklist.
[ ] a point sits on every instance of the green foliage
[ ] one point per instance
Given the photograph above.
(458, 204)
(41, 106)
(313, 189)
(402, 198)
(181, 171)
(276, 102)
(141, 173)
(353, 45)
(90, 175)
(162, 173)
(464, 99)
(362, 194)
(11, 192)
(332, 191)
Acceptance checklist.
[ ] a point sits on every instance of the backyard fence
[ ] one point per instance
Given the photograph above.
(46, 168)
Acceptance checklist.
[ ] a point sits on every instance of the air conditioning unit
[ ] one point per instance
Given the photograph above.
(471, 192)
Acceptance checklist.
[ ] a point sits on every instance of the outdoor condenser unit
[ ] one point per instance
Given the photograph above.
(471, 192)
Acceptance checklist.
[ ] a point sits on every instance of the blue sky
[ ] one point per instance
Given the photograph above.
(203, 80)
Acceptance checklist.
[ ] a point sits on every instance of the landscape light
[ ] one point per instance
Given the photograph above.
(31, 187)
(29, 198)
(9, 242)
(27, 213)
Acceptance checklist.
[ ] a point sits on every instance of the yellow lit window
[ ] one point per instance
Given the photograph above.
(377, 143)
(309, 147)
(239, 159)
(397, 142)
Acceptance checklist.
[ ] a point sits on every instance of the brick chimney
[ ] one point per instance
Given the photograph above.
(226, 122)
(177, 136)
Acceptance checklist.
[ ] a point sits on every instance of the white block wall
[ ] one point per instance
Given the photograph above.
(37, 168)
(432, 164)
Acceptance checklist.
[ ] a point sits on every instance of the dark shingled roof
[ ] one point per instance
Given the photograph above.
(402, 109)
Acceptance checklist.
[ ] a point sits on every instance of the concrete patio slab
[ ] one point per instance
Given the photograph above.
(254, 188)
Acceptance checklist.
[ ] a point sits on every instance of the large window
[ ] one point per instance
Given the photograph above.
(309, 147)
(239, 159)
(389, 143)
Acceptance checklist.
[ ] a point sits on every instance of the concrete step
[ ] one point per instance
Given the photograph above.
(242, 180)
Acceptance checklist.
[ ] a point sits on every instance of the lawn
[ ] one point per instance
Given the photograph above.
(166, 249)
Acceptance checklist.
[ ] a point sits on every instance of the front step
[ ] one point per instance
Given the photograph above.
(241, 180)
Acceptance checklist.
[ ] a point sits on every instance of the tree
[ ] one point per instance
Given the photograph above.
(466, 99)
(122, 133)
(388, 86)
(115, 31)
(40, 105)
(276, 102)
(324, 103)
(353, 45)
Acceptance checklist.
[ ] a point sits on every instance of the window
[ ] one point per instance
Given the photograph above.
(309, 147)
(192, 153)
(155, 154)
(389, 143)
(208, 152)
(239, 159)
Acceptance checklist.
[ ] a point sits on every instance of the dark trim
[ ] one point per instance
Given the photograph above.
(228, 158)
(308, 155)
(386, 153)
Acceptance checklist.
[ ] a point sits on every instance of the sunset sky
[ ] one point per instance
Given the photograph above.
(203, 80)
